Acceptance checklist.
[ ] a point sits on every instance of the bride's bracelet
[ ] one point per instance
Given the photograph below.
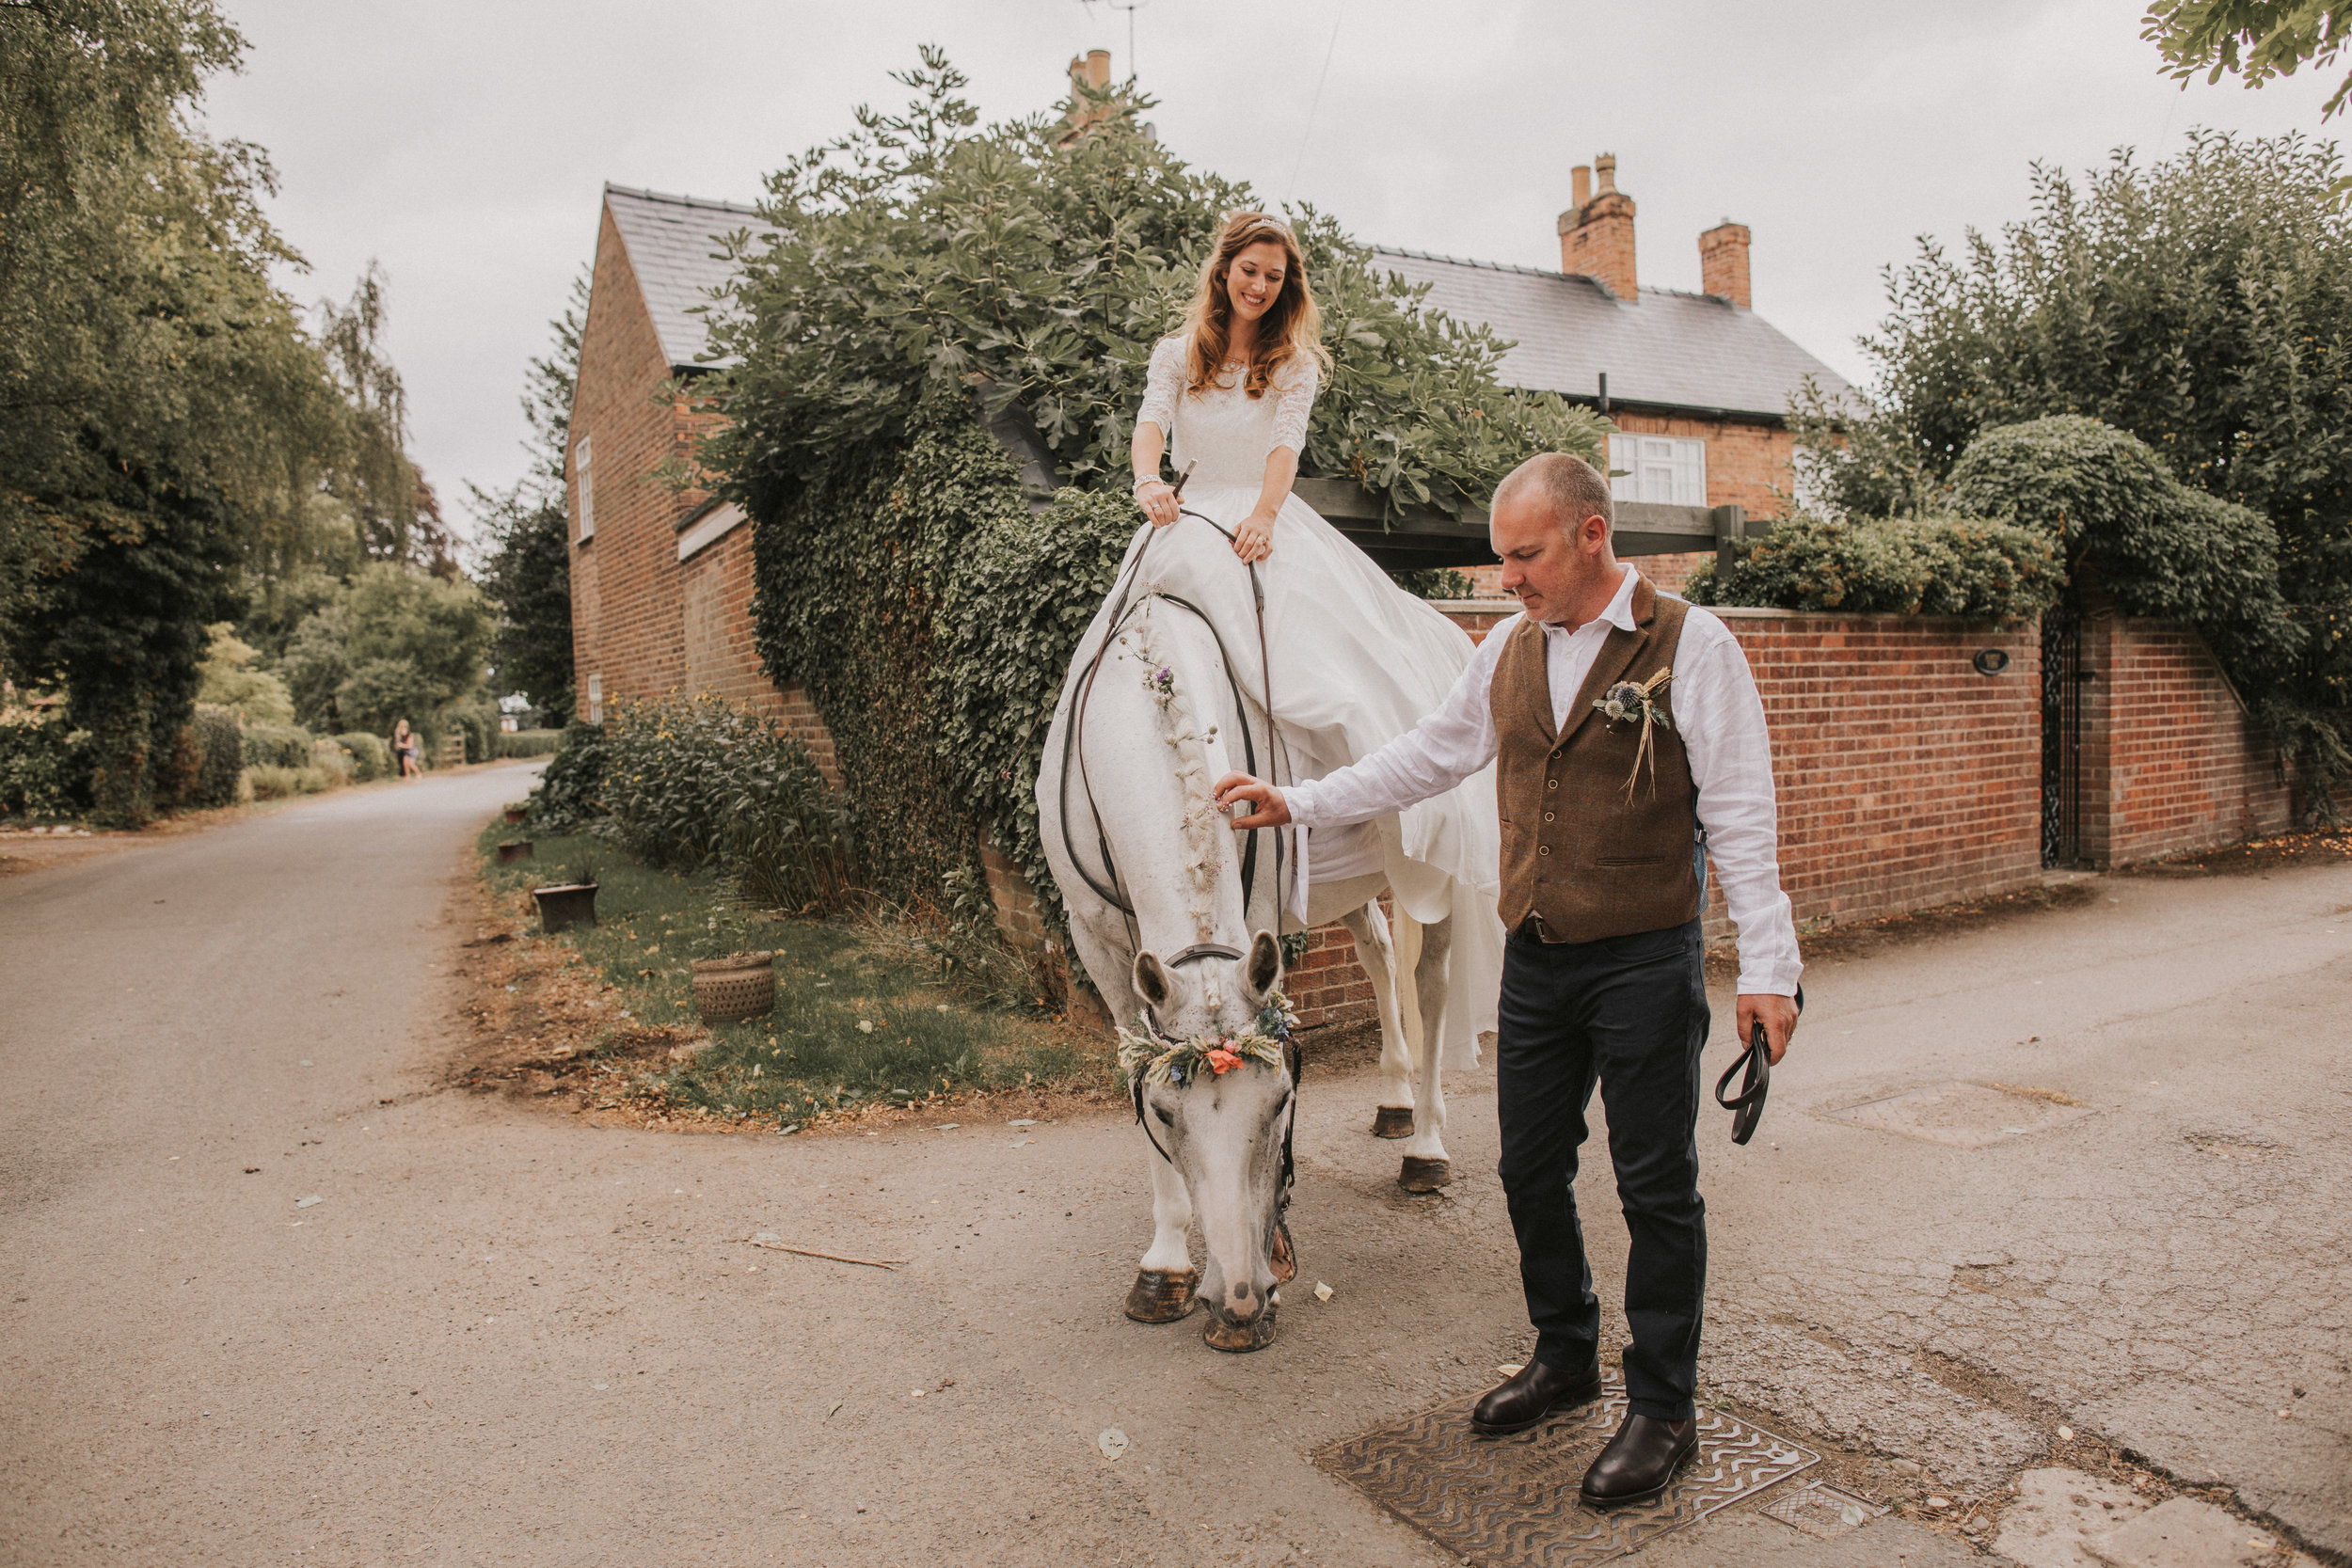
(1136, 488)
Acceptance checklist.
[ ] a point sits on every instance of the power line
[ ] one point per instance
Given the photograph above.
(1338, 11)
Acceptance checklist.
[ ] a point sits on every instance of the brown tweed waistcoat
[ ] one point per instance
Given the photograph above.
(1578, 850)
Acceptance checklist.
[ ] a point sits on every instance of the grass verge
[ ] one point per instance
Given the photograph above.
(864, 1021)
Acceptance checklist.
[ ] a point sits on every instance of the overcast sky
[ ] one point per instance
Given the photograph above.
(463, 146)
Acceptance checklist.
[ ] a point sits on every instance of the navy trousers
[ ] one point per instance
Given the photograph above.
(1629, 1013)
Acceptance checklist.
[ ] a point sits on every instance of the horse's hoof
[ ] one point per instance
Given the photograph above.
(1238, 1338)
(1424, 1175)
(1283, 1257)
(1393, 1121)
(1161, 1295)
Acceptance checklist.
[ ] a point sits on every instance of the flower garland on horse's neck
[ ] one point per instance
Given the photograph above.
(1161, 1060)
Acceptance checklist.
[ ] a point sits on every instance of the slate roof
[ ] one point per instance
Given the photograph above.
(1668, 350)
(671, 243)
(1671, 350)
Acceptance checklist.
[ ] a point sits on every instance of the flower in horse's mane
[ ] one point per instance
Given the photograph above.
(1161, 683)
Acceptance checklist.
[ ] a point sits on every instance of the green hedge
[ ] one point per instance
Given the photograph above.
(1906, 566)
(698, 780)
(221, 744)
(45, 765)
(570, 791)
(276, 746)
(370, 755)
(479, 724)
(527, 743)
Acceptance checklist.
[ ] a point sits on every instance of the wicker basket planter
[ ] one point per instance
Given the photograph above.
(562, 906)
(513, 849)
(739, 986)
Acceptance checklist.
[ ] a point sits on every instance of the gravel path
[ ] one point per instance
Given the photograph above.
(499, 1337)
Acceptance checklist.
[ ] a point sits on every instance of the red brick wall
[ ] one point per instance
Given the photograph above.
(626, 626)
(2171, 761)
(1905, 778)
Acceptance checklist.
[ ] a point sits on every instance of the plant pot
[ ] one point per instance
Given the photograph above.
(574, 904)
(515, 815)
(739, 986)
(513, 849)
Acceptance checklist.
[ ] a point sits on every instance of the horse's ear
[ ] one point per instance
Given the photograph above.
(1151, 981)
(1262, 971)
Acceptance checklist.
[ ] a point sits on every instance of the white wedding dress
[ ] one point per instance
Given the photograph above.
(1356, 661)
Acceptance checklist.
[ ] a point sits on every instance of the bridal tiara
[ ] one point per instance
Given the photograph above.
(1264, 220)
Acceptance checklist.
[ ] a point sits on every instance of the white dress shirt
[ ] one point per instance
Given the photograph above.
(1716, 712)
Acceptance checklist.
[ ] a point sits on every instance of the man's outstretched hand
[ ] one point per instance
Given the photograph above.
(1779, 1016)
(1271, 811)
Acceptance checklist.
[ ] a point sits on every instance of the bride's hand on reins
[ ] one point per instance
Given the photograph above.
(1255, 539)
(1158, 501)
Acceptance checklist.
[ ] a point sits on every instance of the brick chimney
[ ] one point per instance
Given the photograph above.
(1724, 262)
(1089, 70)
(1596, 234)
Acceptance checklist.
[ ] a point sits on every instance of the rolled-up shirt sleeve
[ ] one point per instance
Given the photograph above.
(1452, 743)
(1721, 719)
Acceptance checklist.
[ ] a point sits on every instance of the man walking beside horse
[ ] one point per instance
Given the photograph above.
(1630, 742)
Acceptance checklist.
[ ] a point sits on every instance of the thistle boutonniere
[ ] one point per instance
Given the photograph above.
(1628, 701)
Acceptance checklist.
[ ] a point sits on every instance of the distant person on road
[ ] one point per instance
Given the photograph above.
(405, 748)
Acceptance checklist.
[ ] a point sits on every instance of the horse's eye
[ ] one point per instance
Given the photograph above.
(1161, 1112)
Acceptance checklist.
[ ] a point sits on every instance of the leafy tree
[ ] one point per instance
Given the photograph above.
(395, 644)
(227, 680)
(138, 323)
(393, 509)
(526, 564)
(123, 631)
(917, 254)
(2252, 40)
(2205, 305)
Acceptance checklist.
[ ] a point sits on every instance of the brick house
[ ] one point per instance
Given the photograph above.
(1696, 384)
(661, 580)
(661, 577)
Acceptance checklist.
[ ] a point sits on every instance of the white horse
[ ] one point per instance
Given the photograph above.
(1153, 880)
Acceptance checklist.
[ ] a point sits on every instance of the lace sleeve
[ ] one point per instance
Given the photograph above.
(1163, 383)
(1296, 402)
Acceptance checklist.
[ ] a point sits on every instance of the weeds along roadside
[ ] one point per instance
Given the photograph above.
(871, 1013)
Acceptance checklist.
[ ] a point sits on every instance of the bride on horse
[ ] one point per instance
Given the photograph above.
(1355, 660)
(1242, 619)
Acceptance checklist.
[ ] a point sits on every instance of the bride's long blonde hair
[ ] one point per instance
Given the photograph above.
(1292, 327)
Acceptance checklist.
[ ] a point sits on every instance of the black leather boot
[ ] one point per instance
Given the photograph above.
(1640, 1459)
(1534, 1392)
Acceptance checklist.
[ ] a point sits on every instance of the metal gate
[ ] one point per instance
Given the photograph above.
(2062, 733)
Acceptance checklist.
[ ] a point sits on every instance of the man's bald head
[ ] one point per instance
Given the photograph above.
(1571, 488)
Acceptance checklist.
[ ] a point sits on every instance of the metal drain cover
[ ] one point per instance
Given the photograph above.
(1820, 1509)
(1503, 1502)
(1962, 1115)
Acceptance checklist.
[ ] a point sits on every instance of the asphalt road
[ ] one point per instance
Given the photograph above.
(499, 1337)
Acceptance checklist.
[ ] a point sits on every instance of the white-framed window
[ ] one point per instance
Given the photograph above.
(1667, 468)
(596, 699)
(586, 479)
